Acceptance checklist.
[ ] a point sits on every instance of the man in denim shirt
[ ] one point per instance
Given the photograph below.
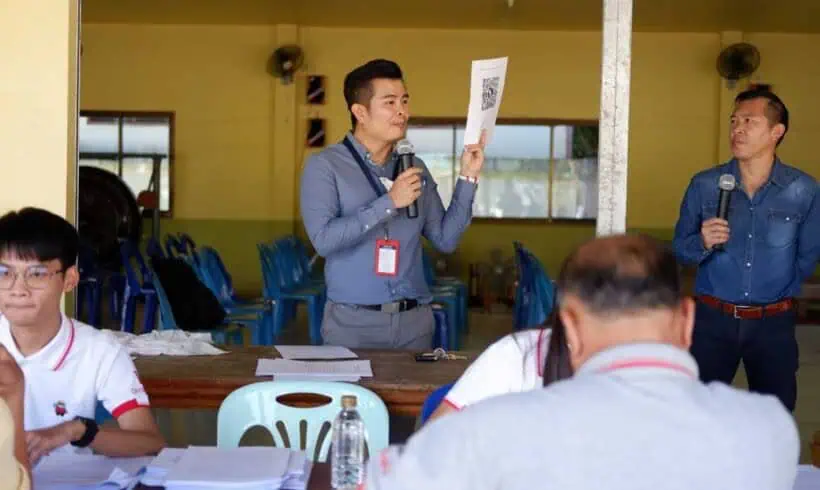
(768, 246)
(353, 201)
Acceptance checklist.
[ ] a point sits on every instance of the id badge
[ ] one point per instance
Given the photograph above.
(387, 257)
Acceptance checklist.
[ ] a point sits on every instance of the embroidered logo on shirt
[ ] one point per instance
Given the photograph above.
(59, 409)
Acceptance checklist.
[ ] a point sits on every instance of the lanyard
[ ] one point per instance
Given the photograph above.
(377, 187)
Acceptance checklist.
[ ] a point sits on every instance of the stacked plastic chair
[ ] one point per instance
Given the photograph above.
(452, 295)
(287, 281)
(215, 276)
(535, 292)
(139, 286)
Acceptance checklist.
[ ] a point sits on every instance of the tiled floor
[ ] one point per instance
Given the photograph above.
(198, 427)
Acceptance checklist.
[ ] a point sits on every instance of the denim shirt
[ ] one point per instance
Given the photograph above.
(774, 238)
(344, 219)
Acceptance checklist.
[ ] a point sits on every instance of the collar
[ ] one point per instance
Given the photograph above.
(640, 358)
(366, 155)
(53, 355)
(779, 176)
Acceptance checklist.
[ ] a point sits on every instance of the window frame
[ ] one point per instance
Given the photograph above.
(516, 121)
(121, 115)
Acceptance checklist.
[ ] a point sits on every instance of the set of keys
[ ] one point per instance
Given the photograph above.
(439, 354)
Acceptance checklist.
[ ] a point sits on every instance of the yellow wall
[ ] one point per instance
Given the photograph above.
(38, 105)
(228, 183)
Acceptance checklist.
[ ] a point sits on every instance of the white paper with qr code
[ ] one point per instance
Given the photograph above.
(486, 88)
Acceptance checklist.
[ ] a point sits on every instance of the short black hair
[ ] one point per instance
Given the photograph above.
(620, 274)
(776, 111)
(37, 234)
(358, 85)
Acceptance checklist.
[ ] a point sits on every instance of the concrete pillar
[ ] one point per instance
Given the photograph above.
(613, 142)
(39, 45)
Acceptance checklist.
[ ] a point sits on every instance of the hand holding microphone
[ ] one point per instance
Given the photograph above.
(407, 187)
(715, 231)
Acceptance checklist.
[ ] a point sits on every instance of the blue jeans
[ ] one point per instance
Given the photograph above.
(767, 346)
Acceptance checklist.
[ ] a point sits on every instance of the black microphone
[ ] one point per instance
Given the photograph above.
(727, 185)
(405, 150)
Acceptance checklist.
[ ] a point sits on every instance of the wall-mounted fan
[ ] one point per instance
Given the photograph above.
(737, 61)
(284, 62)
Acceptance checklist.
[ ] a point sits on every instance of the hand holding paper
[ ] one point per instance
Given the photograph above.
(473, 157)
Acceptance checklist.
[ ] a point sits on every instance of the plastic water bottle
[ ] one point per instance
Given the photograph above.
(347, 456)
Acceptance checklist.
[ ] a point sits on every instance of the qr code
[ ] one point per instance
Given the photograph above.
(489, 92)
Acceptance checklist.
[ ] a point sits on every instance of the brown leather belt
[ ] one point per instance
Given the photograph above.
(746, 312)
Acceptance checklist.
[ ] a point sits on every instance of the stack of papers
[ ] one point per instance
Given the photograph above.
(168, 343)
(238, 468)
(290, 370)
(66, 470)
(315, 352)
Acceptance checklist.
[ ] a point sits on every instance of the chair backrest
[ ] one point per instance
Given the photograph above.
(137, 273)
(433, 400)
(153, 248)
(306, 429)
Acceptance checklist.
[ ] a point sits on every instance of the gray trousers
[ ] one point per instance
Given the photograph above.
(355, 327)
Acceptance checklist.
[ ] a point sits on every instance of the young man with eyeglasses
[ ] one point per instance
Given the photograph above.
(69, 367)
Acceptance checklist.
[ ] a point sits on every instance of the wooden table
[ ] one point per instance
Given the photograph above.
(205, 381)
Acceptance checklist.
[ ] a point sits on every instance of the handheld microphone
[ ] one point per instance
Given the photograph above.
(726, 184)
(405, 150)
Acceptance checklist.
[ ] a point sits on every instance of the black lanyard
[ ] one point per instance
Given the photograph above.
(377, 187)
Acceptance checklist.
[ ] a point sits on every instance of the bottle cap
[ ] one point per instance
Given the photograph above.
(348, 401)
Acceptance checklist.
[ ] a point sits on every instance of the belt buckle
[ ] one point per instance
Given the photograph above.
(740, 308)
(393, 307)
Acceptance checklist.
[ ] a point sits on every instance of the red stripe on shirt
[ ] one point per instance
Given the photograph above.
(538, 358)
(67, 349)
(648, 363)
(453, 405)
(126, 407)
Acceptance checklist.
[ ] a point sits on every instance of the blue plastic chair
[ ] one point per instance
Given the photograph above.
(433, 400)
(441, 334)
(90, 287)
(138, 287)
(214, 275)
(220, 334)
(535, 293)
(257, 405)
(285, 284)
(153, 249)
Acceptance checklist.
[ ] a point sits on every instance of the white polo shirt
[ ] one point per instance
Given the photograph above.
(513, 364)
(80, 366)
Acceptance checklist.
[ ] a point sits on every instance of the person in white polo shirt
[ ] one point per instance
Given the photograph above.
(68, 366)
(513, 364)
(634, 415)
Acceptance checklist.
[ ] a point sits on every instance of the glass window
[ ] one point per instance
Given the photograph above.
(534, 171)
(127, 144)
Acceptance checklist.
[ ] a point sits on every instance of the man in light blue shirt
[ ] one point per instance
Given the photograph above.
(353, 203)
(634, 415)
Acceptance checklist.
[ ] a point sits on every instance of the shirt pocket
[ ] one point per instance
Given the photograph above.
(782, 228)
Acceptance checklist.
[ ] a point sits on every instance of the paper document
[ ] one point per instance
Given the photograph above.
(318, 369)
(315, 352)
(66, 470)
(486, 88)
(204, 467)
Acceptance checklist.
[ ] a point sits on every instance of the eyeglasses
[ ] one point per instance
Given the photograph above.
(35, 276)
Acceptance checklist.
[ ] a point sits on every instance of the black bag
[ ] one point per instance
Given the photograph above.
(194, 305)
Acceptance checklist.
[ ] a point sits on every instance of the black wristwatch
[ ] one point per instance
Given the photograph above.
(91, 429)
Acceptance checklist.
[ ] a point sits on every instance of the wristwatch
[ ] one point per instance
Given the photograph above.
(91, 429)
